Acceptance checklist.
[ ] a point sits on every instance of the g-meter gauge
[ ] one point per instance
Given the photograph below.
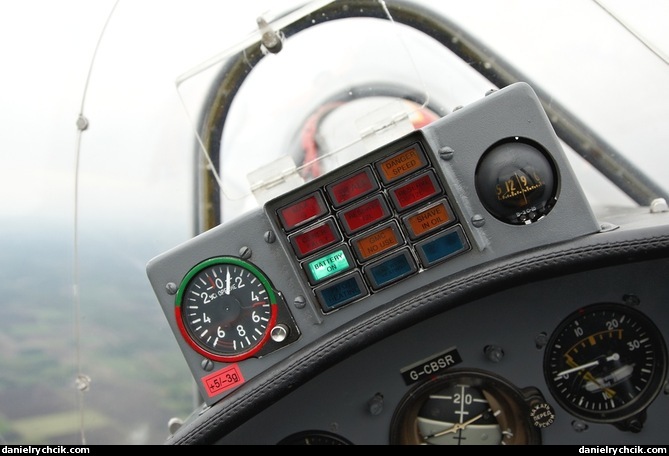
(226, 308)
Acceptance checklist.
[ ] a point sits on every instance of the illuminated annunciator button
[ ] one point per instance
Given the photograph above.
(341, 291)
(302, 211)
(442, 246)
(428, 219)
(415, 191)
(333, 262)
(364, 214)
(401, 164)
(390, 269)
(377, 241)
(352, 187)
(314, 238)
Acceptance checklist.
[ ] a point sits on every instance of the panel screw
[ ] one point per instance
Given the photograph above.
(446, 153)
(375, 404)
(300, 302)
(477, 220)
(579, 426)
(631, 300)
(171, 288)
(494, 353)
(245, 253)
(269, 237)
(541, 340)
(207, 364)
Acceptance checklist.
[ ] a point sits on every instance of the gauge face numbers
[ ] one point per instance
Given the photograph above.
(517, 182)
(463, 407)
(605, 363)
(225, 309)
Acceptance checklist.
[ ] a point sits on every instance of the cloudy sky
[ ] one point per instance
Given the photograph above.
(131, 99)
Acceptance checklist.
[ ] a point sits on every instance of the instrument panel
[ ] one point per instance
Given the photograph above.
(469, 190)
(438, 200)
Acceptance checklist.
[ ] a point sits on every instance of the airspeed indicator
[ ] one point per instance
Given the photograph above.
(606, 363)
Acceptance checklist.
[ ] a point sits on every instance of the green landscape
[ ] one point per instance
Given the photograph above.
(118, 336)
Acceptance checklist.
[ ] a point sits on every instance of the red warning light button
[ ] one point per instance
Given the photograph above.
(352, 187)
(314, 238)
(302, 211)
(364, 214)
(415, 191)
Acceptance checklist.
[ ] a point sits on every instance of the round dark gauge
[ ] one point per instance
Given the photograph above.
(605, 363)
(464, 407)
(226, 308)
(314, 438)
(516, 181)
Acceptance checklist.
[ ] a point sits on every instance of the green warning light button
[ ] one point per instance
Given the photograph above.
(328, 265)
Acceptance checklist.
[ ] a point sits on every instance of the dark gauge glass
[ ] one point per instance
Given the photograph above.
(605, 363)
(464, 407)
(314, 438)
(226, 308)
(517, 182)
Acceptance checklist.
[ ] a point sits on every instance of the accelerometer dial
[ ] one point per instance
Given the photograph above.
(225, 309)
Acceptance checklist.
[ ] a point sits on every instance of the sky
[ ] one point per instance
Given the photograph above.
(139, 131)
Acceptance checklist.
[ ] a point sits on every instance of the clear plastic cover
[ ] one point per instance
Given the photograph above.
(313, 88)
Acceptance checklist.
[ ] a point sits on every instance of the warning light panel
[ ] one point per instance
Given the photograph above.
(369, 225)
(401, 164)
(302, 211)
(352, 187)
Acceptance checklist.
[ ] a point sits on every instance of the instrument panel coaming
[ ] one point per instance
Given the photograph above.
(357, 398)
(453, 148)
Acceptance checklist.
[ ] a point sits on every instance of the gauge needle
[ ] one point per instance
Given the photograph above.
(457, 426)
(228, 280)
(613, 357)
(591, 378)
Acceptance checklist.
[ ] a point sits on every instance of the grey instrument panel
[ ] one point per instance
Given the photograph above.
(482, 183)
